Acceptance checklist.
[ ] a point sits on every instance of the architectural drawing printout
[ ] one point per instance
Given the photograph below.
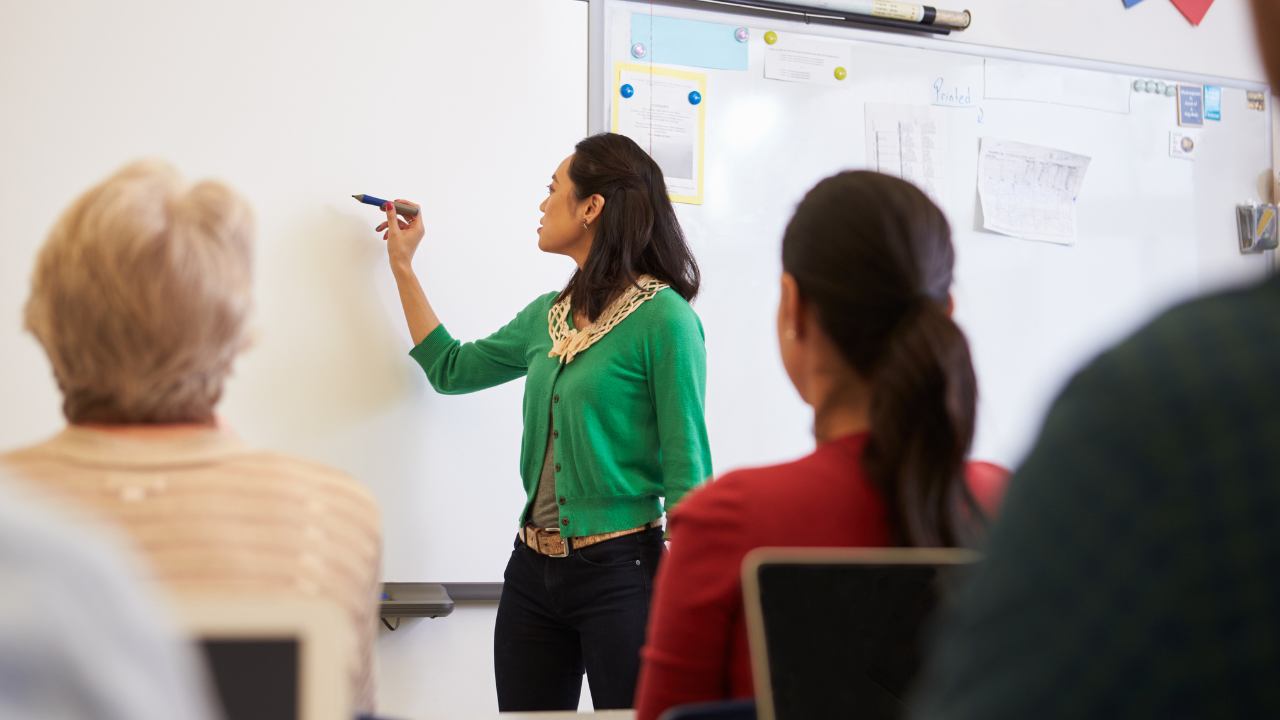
(1029, 191)
(909, 142)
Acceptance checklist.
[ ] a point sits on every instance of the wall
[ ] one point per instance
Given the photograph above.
(300, 105)
(1150, 34)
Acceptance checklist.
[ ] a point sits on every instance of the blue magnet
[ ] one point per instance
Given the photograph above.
(627, 91)
(638, 50)
(742, 34)
(695, 97)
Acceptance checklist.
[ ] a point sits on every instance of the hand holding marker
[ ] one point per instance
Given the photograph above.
(401, 207)
(402, 238)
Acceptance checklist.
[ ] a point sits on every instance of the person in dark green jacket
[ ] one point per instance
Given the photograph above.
(1134, 571)
(615, 369)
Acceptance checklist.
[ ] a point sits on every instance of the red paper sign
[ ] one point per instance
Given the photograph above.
(1194, 10)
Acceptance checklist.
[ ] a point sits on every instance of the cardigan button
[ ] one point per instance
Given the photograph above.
(555, 434)
(555, 399)
(565, 521)
(557, 467)
(561, 501)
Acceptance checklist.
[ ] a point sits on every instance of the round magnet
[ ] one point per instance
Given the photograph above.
(1151, 86)
(771, 37)
(1160, 88)
(638, 50)
(1170, 90)
(695, 97)
(1139, 85)
(840, 73)
(742, 34)
(627, 91)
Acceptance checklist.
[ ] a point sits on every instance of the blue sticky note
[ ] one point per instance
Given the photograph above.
(671, 41)
(1212, 103)
(1190, 105)
(1131, 3)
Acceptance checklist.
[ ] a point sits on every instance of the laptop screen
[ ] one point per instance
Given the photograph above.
(256, 679)
(844, 639)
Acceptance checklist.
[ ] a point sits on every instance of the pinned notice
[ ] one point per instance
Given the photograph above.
(1191, 105)
(909, 142)
(662, 116)
(808, 61)
(1212, 103)
(1182, 144)
(1029, 191)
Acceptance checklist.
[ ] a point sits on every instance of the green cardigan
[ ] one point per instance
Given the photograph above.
(628, 410)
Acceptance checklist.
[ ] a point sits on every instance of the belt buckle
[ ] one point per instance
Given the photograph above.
(564, 543)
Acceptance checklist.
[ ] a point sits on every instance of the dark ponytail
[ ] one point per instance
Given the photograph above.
(638, 233)
(874, 257)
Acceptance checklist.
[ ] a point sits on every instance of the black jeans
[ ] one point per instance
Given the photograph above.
(558, 616)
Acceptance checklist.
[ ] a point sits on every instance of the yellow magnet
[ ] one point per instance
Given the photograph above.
(840, 73)
(771, 37)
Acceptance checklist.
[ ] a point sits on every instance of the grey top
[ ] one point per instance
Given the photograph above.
(545, 513)
(81, 635)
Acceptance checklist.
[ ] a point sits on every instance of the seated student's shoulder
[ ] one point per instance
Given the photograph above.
(317, 481)
(1204, 352)
(1217, 330)
(773, 493)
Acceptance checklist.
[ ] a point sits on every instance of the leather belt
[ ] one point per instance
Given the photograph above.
(551, 544)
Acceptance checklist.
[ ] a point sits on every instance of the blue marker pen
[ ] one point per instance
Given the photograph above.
(400, 207)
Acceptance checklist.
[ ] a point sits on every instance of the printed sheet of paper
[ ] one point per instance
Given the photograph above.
(796, 59)
(1029, 191)
(660, 117)
(909, 142)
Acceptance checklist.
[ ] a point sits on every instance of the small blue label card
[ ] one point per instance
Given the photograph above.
(1131, 3)
(1212, 103)
(1191, 105)
(692, 43)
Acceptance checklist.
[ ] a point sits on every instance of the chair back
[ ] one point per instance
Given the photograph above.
(273, 658)
(836, 632)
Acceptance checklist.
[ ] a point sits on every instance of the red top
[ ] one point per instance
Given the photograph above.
(697, 644)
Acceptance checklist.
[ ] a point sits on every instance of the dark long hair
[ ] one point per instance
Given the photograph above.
(638, 233)
(874, 257)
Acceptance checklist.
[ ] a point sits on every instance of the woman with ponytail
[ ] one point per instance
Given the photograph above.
(866, 335)
(615, 372)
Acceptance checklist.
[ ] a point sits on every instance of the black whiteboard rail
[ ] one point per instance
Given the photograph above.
(413, 600)
(832, 16)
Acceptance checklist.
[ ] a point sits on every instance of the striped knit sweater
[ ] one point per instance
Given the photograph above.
(212, 516)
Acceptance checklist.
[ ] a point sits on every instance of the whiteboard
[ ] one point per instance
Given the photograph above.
(298, 111)
(1153, 230)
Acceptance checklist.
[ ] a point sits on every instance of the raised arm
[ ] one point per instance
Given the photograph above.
(451, 367)
(454, 368)
(402, 242)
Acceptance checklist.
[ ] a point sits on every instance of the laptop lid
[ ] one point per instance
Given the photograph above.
(277, 658)
(836, 632)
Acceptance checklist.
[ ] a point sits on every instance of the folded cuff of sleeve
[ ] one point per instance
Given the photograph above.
(435, 343)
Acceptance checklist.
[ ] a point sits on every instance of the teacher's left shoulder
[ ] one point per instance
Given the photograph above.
(669, 314)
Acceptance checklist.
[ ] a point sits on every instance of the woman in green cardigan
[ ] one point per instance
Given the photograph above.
(615, 371)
